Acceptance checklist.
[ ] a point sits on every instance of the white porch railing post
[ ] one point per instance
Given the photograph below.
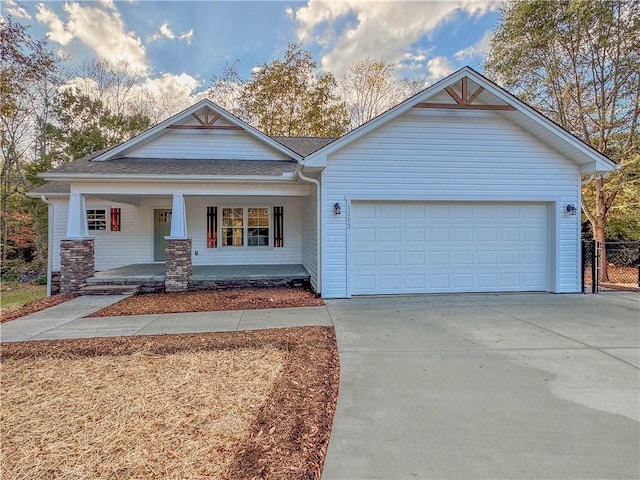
(178, 217)
(76, 219)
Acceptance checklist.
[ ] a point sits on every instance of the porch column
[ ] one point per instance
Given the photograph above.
(77, 250)
(178, 249)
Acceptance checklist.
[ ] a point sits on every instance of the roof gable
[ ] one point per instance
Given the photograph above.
(466, 89)
(204, 116)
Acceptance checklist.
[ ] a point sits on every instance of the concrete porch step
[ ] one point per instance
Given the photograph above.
(109, 290)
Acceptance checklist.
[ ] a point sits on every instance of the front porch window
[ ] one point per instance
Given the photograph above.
(258, 230)
(233, 227)
(97, 219)
(245, 227)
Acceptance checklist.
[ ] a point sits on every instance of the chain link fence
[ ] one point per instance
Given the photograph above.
(610, 266)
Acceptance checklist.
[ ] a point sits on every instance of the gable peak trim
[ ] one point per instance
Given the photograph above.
(174, 122)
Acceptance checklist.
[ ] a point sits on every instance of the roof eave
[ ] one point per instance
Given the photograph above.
(61, 177)
(45, 194)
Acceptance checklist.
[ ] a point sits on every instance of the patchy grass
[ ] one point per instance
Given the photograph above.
(15, 294)
(15, 311)
(221, 405)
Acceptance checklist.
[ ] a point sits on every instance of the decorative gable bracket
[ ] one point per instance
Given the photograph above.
(463, 100)
(206, 123)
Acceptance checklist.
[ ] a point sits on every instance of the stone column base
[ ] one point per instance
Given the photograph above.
(178, 267)
(77, 263)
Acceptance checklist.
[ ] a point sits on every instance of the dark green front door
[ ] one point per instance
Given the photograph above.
(161, 229)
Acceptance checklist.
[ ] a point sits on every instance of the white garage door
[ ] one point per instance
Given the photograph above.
(435, 247)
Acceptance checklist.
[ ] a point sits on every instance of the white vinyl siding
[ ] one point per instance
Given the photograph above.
(436, 155)
(132, 244)
(443, 247)
(205, 144)
(309, 236)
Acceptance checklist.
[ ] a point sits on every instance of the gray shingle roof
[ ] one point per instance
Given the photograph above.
(51, 188)
(303, 145)
(176, 166)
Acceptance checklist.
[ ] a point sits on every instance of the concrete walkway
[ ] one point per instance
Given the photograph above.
(67, 321)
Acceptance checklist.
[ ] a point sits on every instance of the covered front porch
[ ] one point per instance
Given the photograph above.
(150, 277)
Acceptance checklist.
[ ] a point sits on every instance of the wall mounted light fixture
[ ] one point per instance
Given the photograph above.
(571, 209)
(336, 208)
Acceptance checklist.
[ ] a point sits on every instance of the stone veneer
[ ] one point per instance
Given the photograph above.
(77, 263)
(178, 264)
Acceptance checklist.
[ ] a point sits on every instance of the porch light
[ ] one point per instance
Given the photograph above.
(571, 209)
(336, 208)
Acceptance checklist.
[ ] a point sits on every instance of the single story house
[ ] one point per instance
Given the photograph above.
(460, 188)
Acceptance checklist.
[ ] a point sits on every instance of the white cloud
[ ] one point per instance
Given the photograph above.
(437, 68)
(165, 31)
(479, 49)
(384, 30)
(100, 27)
(14, 8)
(176, 86)
(288, 12)
(57, 32)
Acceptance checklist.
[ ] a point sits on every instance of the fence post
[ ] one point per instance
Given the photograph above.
(594, 267)
(583, 259)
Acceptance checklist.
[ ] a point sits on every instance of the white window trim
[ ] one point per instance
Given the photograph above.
(107, 219)
(245, 226)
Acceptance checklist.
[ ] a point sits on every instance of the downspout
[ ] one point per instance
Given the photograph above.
(301, 176)
(50, 207)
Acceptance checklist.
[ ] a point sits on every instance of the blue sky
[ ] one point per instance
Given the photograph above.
(181, 45)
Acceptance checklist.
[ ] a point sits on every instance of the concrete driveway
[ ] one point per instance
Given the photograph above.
(487, 387)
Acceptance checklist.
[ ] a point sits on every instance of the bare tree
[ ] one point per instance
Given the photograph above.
(371, 87)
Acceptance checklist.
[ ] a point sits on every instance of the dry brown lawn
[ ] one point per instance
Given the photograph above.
(620, 278)
(220, 405)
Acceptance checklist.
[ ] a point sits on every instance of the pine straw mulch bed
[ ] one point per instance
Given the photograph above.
(11, 313)
(212, 300)
(154, 406)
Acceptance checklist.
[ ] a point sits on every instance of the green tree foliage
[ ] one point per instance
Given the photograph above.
(28, 74)
(578, 62)
(83, 125)
(288, 97)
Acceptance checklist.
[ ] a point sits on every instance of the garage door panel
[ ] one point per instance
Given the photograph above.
(415, 281)
(387, 258)
(414, 234)
(412, 259)
(364, 235)
(413, 211)
(422, 248)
